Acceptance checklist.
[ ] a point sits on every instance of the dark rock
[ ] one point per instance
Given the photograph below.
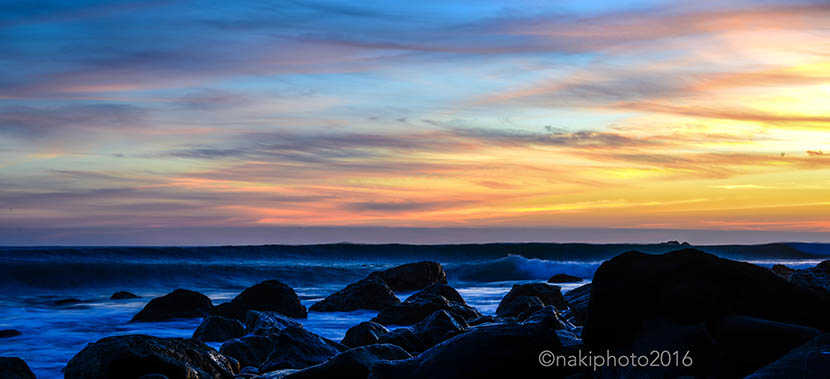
(492, 351)
(413, 276)
(365, 333)
(123, 295)
(270, 295)
(353, 363)
(817, 278)
(369, 293)
(298, 348)
(436, 328)
(439, 289)
(547, 315)
(420, 306)
(807, 361)
(266, 323)
(578, 300)
(131, 356)
(520, 304)
(249, 350)
(547, 294)
(482, 320)
(15, 368)
(564, 278)
(782, 271)
(154, 376)
(180, 303)
(218, 329)
(687, 287)
(750, 343)
(6, 333)
(69, 301)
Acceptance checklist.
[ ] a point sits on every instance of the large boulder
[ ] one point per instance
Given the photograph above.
(365, 333)
(249, 351)
(15, 368)
(807, 361)
(439, 289)
(265, 323)
(369, 293)
(518, 305)
(270, 295)
(123, 295)
(413, 276)
(687, 287)
(354, 363)
(547, 294)
(219, 329)
(298, 348)
(505, 350)
(564, 278)
(431, 331)
(419, 306)
(578, 300)
(131, 356)
(180, 303)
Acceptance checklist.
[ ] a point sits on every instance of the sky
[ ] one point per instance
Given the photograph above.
(184, 122)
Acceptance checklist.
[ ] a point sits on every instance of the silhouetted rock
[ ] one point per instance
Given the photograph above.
(368, 293)
(807, 361)
(547, 315)
(547, 294)
(817, 278)
(564, 278)
(180, 303)
(131, 356)
(413, 276)
(264, 323)
(439, 289)
(123, 295)
(15, 368)
(298, 348)
(353, 363)
(519, 304)
(782, 270)
(68, 301)
(6, 333)
(578, 300)
(249, 350)
(419, 306)
(270, 295)
(218, 329)
(436, 328)
(491, 351)
(365, 333)
(687, 287)
(482, 320)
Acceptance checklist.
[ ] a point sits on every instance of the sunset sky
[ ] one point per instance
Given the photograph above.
(643, 115)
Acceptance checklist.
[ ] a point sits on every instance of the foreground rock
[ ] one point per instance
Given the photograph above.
(431, 331)
(365, 333)
(564, 278)
(506, 350)
(15, 368)
(439, 289)
(420, 305)
(520, 305)
(546, 294)
(817, 278)
(354, 363)
(132, 356)
(370, 293)
(123, 295)
(267, 323)
(270, 295)
(691, 286)
(249, 351)
(298, 348)
(578, 300)
(218, 329)
(180, 303)
(807, 361)
(413, 276)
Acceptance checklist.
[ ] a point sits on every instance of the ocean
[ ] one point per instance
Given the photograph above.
(58, 297)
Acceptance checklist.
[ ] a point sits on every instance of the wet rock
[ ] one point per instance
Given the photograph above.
(564, 278)
(131, 356)
(365, 333)
(249, 350)
(180, 303)
(15, 368)
(578, 300)
(298, 348)
(547, 294)
(413, 276)
(547, 315)
(519, 304)
(354, 363)
(123, 295)
(6, 333)
(431, 331)
(439, 289)
(806, 361)
(369, 293)
(482, 320)
(265, 323)
(419, 306)
(270, 295)
(218, 329)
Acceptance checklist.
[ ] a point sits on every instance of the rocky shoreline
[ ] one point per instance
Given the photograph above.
(731, 319)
